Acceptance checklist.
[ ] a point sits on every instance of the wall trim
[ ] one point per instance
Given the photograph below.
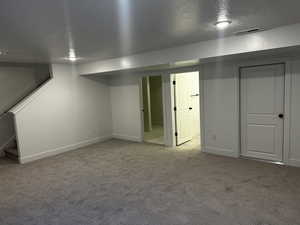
(293, 162)
(287, 114)
(168, 112)
(63, 149)
(127, 137)
(141, 107)
(202, 105)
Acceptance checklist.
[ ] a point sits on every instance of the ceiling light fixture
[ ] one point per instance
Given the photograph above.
(72, 56)
(72, 59)
(222, 24)
(125, 63)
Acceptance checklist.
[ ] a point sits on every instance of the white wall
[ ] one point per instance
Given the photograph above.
(220, 109)
(16, 81)
(68, 112)
(196, 104)
(125, 107)
(73, 111)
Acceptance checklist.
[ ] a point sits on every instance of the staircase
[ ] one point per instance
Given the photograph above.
(17, 82)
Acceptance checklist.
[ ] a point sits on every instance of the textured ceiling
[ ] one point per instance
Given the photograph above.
(46, 30)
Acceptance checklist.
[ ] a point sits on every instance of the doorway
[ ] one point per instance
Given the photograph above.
(262, 111)
(153, 121)
(187, 108)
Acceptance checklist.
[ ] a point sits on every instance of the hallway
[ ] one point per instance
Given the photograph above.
(155, 136)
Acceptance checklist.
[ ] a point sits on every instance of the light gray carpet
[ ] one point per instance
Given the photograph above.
(118, 182)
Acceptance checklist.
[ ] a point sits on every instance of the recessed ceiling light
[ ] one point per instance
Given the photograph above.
(72, 59)
(125, 63)
(72, 56)
(223, 24)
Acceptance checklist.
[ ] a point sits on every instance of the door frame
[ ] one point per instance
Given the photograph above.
(240, 110)
(142, 106)
(168, 104)
(287, 102)
(149, 102)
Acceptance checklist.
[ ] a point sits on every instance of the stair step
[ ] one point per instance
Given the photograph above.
(12, 153)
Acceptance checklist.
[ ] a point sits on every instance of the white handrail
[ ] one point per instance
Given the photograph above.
(14, 110)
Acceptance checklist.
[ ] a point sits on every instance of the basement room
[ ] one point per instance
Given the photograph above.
(128, 112)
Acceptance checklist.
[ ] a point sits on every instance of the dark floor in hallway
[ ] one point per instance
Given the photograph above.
(118, 182)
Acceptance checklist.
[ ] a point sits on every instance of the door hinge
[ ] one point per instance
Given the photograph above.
(175, 108)
(174, 82)
(176, 134)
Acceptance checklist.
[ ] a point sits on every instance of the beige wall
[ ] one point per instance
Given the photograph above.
(156, 100)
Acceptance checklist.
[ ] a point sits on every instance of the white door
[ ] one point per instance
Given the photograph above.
(183, 104)
(262, 107)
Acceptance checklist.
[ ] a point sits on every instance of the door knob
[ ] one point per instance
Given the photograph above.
(280, 115)
(190, 108)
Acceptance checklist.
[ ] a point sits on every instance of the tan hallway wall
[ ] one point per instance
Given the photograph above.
(156, 100)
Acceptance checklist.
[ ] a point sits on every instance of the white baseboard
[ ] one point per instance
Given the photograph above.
(63, 149)
(293, 162)
(126, 137)
(220, 151)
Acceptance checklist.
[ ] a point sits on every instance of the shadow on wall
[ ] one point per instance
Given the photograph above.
(6, 130)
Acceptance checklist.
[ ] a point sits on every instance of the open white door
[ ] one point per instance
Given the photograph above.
(262, 107)
(183, 108)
